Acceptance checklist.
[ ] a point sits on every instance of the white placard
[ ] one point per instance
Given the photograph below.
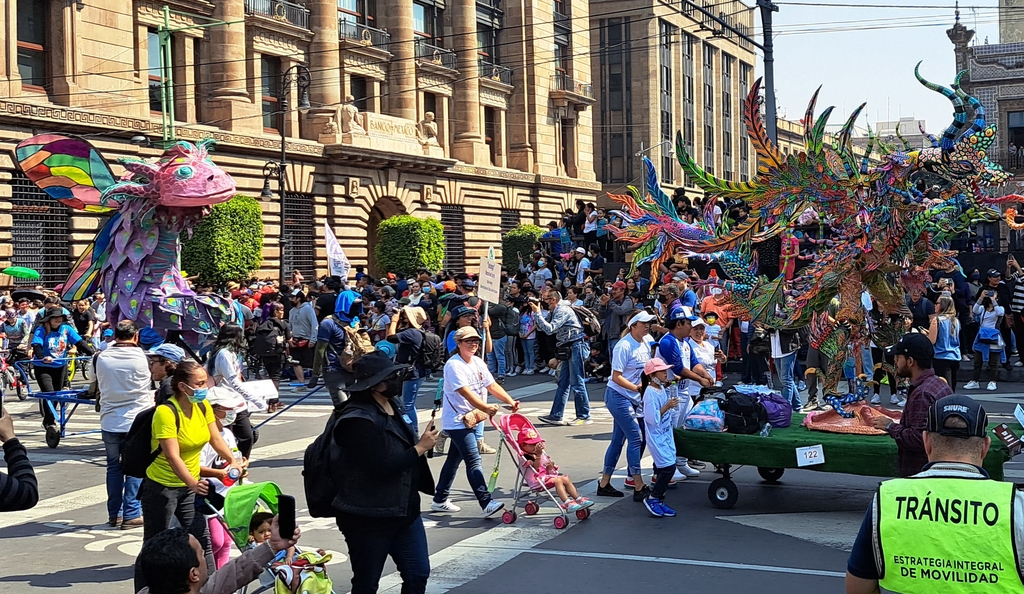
(264, 389)
(810, 455)
(1019, 414)
(488, 284)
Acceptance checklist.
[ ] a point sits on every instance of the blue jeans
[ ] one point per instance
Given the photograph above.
(122, 491)
(625, 429)
(529, 353)
(496, 358)
(784, 367)
(463, 447)
(410, 389)
(571, 376)
(369, 549)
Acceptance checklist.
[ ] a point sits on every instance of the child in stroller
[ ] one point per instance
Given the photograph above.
(541, 470)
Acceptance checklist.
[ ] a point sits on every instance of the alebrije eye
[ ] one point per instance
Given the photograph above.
(183, 173)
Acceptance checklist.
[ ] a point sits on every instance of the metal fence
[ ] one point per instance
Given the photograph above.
(436, 55)
(495, 72)
(453, 219)
(564, 82)
(299, 230)
(281, 10)
(39, 233)
(363, 34)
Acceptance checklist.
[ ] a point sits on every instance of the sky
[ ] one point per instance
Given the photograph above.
(868, 53)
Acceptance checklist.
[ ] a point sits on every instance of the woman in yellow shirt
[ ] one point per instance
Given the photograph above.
(181, 427)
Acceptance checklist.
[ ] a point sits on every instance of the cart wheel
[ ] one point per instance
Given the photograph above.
(52, 436)
(582, 514)
(771, 475)
(531, 508)
(561, 522)
(509, 517)
(723, 493)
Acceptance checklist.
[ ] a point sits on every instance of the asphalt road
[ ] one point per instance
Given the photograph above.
(779, 538)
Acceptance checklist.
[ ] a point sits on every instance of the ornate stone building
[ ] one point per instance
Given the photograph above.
(460, 110)
(666, 67)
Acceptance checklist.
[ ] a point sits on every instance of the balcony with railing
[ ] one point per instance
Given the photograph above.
(279, 10)
(436, 56)
(562, 20)
(363, 35)
(495, 72)
(565, 89)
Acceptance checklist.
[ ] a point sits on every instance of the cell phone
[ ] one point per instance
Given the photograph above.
(286, 516)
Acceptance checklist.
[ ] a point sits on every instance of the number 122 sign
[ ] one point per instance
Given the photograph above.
(810, 456)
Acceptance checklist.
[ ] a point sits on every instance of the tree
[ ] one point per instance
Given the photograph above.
(226, 245)
(518, 241)
(407, 243)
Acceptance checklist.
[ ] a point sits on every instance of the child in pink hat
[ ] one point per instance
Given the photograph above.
(542, 471)
(660, 400)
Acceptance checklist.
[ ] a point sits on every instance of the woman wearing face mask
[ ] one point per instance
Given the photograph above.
(542, 274)
(225, 405)
(181, 428)
(382, 475)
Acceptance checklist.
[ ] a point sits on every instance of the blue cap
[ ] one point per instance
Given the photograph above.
(682, 313)
(108, 333)
(171, 352)
(462, 310)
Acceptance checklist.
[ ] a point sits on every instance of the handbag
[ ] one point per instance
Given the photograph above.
(470, 419)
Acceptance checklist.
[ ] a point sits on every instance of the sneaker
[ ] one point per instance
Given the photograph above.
(445, 506)
(641, 493)
(513, 373)
(991, 387)
(667, 511)
(552, 372)
(695, 464)
(972, 385)
(529, 372)
(1018, 364)
(113, 522)
(493, 507)
(629, 482)
(501, 380)
(894, 399)
(801, 386)
(483, 448)
(608, 491)
(550, 420)
(653, 506)
(571, 506)
(678, 476)
(876, 399)
(902, 402)
(686, 470)
(812, 405)
(584, 502)
(965, 359)
(580, 421)
(718, 384)
(133, 523)
(442, 438)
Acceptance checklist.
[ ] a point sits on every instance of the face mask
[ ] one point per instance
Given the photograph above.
(198, 395)
(229, 418)
(663, 298)
(975, 276)
(426, 289)
(392, 387)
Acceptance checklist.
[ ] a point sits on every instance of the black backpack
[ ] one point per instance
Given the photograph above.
(269, 340)
(589, 320)
(136, 455)
(432, 353)
(320, 477)
(743, 414)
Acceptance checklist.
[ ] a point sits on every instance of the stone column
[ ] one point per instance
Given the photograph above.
(402, 82)
(324, 58)
(469, 144)
(373, 96)
(499, 138)
(229, 99)
(184, 79)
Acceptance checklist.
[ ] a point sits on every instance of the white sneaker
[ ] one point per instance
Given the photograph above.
(493, 507)
(894, 399)
(446, 506)
(678, 476)
(902, 402)
(685, 470)
(552, 372)
(991, 387)
(965, 359)
(972, 385)
(875, 399)
(1018, 364)
(512, 373)
(529, 372)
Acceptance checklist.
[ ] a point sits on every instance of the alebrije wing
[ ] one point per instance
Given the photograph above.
(767, 298)
(768, 154)
(660, 199)
(85, 277)
(68, 169)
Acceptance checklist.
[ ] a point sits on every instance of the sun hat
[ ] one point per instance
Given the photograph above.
(371, 369)
(467, 332)
(53, 312)
(655, 365)
(641, 316)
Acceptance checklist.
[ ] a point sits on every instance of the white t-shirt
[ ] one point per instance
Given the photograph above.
(209, 457)
(122, 373)
(777, 346)
(581, 270)
(459, 374)
(629, 358)
(591, 224)
(705, 353)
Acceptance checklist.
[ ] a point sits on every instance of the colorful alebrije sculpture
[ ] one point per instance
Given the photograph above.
(885, 234)
(135, 257)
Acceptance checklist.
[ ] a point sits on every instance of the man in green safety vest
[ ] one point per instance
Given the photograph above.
(948, 528)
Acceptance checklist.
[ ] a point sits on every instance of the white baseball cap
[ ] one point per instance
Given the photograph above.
(642, 316)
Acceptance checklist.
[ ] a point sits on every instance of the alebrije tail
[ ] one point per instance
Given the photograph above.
(768, 154)
(708, 182)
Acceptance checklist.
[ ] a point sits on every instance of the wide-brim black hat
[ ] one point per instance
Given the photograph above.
(371, 369)
(53, 312)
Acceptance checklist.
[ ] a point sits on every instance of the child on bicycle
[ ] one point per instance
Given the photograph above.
(544, 472)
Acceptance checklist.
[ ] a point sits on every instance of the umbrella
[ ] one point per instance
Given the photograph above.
(21, 272)
(30, 294)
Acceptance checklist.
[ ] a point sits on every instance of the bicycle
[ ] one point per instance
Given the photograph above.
(10, 379)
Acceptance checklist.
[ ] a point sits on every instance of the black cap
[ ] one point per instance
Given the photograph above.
(915, 346)
(994, 272)
(964, 407)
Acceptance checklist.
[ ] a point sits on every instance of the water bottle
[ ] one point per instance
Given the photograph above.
(766, 430)
(233, 475)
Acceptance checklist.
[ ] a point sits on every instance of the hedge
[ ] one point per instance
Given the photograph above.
(406, 243)
(227, 245)
(518, 241)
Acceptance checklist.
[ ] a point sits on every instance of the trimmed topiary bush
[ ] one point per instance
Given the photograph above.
(516, 241)
(407, 243)
(228, 244)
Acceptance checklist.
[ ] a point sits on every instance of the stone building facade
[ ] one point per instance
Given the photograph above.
(666, 67)
(509, 140)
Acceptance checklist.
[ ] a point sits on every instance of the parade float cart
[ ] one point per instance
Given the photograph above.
(62, 403)
(797, 447)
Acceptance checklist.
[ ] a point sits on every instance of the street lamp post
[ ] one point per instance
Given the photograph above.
(298, 75)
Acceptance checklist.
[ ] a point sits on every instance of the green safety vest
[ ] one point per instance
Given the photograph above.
(947, 535)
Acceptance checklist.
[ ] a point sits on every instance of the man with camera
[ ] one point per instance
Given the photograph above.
(573, 350)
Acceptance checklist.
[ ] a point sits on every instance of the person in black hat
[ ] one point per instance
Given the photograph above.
(913, 356)
(382, 472)
(51, 345)
(949, 511)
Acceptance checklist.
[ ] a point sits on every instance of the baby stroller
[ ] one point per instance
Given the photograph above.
(509, 426)
(307, 571)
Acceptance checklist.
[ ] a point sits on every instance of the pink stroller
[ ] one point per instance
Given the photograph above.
(509, 426)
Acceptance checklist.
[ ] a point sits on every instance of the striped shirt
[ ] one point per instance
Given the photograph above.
(1017, 301)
